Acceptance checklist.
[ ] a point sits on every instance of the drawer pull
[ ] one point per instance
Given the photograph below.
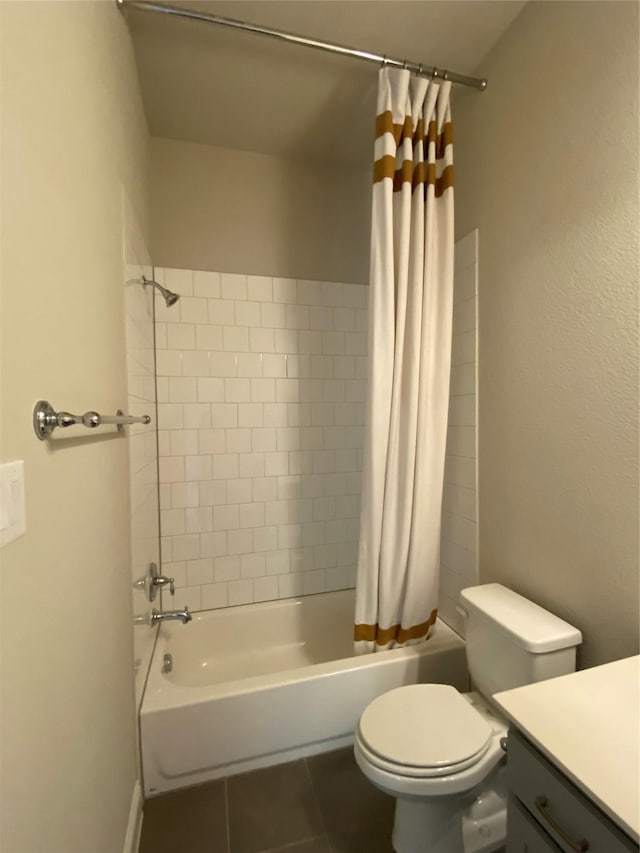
(542, 804)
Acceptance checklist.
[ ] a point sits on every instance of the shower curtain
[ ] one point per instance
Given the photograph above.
(410, 319)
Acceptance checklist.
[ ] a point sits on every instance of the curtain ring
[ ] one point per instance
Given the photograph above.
(404, 65)
(434, 73)
(420, 69)
(384, 60)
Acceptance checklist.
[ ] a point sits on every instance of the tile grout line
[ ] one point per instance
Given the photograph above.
(317, 801)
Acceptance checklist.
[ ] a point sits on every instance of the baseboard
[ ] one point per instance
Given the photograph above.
(134, 826)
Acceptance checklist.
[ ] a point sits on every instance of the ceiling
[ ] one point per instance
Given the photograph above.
(207, 84)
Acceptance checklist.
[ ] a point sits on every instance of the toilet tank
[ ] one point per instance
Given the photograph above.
(511, 641)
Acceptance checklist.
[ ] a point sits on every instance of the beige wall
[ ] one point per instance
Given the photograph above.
(241, 212)
(73, 137)
(547, 169)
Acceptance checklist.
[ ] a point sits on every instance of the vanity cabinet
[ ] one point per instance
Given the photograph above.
(547, 813)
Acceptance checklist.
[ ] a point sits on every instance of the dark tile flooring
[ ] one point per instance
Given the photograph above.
(321, 804)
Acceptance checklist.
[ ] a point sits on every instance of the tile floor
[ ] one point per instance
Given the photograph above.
(321, 804)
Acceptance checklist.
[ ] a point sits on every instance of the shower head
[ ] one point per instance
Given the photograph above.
(169, 297)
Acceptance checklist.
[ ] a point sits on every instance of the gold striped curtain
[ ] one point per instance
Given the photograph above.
(410, 319)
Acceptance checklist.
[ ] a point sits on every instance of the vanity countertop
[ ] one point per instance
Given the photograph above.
(588, 725)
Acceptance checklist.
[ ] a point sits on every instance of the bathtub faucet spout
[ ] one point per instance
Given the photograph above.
(158, 616)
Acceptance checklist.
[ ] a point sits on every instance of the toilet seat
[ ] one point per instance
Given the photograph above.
(423, 731)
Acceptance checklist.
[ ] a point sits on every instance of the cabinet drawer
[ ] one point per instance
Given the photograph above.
(524, 835)
(565, 813)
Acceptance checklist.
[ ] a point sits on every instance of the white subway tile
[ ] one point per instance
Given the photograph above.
(249, 364)
(465, 251)
(182, 390)
(463, 348)
(240, 592)
(221, 312)
(181, 336)
(162, 389)
(273, 315)
(226, 568)
(184, 495)
(284, 290)
(290, 536)
(209, 338)
(172, 522)
(233, 286)
(333, 343)
(214, 595)
(313, 582)
(169, 363)
(185, 547)
(251, 515)
(288, 438)
(193, 310)
(335, 530)
(300, 511)
(297, 317)
(165, 549)
(237, 390)
(465, 284)
(298, 414)
(275, 414)
(190, 597)
(223, 364)
(226, 517)
(197, 415)
(362, 367)
(332, 293)
(263, 390)
(462, 410)
(199, 520)
(334, 484)
(463, 379)
(225, 466)
(275, 464)
(287, 390)
(348, 506)
(313, 533)
(252, 565)
(224, 415)
(277, 562)
(344, 414)
(171, 469)
(461, 441)
(355, 295)
(460, 500)
(323, 509)
(239, 491)
(210, 441)
(265, 538)
(336, 578)
(344, 319)
(264, 489)
(265, 589)
(248, 313)
(324, 462)
(240, 542)
(321, 318)
(273, 365)
(164, 494)
(238, 440)
(261, 340)
(286, 341)
(197, 468)
(355, 343)
(300, 462)
(311, 438)
(180, 281)
(259, 288)
(324, 556)
(212, 492)
(347, 552)
(355, 390)
(309, 292)
(263, 439)
(235, 338)
(289, 488)
(199, 571)
(210, 390)
(277, 512)
(250, 414)
(310, 342)
(161, 336)
(253, 465)
(213, 544)
(323, 414)
(165, 313)
(164, 443)
(206, 284)
(301, 559)
(183, 442)
(321, 367)
(195, 363)
(464, 316)
(289, 586)
(177, 571)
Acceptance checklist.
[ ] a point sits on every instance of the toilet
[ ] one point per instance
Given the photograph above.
(441, 753)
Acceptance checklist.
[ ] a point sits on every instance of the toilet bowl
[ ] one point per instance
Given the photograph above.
(437, 751)
(440, 752)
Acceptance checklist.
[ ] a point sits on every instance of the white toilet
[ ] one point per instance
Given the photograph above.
(439, 751)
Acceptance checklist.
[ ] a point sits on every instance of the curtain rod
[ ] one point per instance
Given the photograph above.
(292, 38)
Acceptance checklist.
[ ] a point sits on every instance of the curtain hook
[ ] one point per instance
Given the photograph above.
(445, 75)
(420, 69)
(404, 65)
(384, 60)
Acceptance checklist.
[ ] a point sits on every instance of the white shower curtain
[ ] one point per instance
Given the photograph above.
(410, 318)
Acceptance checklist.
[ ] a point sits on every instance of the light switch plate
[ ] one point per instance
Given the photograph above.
(13, 522)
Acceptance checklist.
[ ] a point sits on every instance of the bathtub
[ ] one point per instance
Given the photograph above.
(261, 684)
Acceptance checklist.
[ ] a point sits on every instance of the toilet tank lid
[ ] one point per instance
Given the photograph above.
(530, 626)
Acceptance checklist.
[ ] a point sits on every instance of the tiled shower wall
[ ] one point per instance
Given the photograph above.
(261, 390)
(459, 541)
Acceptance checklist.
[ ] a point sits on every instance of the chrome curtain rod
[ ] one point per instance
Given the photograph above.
(291, 38)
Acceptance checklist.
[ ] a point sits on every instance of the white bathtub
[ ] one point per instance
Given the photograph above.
(266, 683)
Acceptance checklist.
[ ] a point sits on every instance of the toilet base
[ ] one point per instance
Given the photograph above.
(475, 823)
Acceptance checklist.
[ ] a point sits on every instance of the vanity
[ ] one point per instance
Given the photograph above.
(574, 762)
